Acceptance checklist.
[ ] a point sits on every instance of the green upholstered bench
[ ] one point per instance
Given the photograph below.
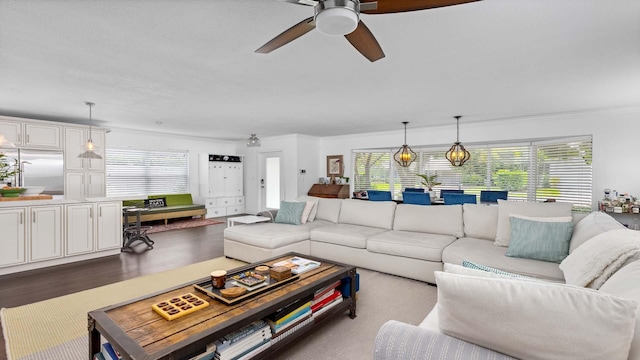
(177, 206)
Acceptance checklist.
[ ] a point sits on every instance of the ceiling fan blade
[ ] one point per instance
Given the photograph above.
(302, 2)
(363, 40)
(394, 6)
(288, 35)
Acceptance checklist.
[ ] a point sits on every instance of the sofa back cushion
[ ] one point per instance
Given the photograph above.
(506, 208)
(626, 284)
(377, 214)
(480, 221)
(445, 220)
(593, 224)
(329, 210)
(175, 199)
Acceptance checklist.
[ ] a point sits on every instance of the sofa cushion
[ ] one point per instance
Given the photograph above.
(271, 235)
(535, 320)
(486, 253)
(170, 209)
(480, 221)
(593, 224)
(310, 205)
(444, 220)
(377, 214)
(597, 259)
(540, 240)
(345, 234)
(410, 244)
(329, 210)
(290, 212)
(174, 199)
(314, 209)
(473, 269)
(506, 208)
(626, 283)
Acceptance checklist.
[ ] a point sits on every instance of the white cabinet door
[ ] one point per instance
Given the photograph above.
(74, 185)
(12, 241)
(80, 228)
(109, 225)
(42, 135)
(217, 179)
(11, 131)
(46, 232)
(73, 142)
(233, 180)
(95, 185)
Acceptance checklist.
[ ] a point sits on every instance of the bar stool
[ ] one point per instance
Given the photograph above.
(135, 232)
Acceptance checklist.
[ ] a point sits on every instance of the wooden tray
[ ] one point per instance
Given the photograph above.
(26, 197)
(207, 288)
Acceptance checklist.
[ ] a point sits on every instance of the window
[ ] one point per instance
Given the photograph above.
(557, 169)
(136, 172)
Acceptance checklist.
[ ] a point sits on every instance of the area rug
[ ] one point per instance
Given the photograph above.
(57, 328)
(183, 224)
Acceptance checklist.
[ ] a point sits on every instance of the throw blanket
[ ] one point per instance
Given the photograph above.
(593, 262)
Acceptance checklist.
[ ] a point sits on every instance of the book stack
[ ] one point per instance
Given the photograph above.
(107, 353)
(244, 343)
(326, 298)
(290, 318)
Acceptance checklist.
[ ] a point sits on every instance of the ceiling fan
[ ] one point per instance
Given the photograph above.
(342, 17)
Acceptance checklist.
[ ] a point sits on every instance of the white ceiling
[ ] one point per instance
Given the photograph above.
(191, 65)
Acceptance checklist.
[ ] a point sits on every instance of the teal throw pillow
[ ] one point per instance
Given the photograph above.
(472, 265)
(539, 240)
(290, 212)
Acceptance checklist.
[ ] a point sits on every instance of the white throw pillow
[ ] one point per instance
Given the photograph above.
(307, 211)
(535, 320)
(593, 262)
(510, 208)
(314, 210)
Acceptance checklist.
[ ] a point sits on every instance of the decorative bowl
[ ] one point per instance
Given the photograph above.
(14, 192)
(34, 190)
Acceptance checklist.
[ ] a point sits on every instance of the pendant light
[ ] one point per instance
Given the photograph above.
(405, 156)
(457, 154)
(253, 141)
(90, 148)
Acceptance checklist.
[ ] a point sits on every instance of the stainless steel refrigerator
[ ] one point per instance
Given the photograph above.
(39, 168)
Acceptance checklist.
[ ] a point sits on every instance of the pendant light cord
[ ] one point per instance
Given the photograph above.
(458, 128)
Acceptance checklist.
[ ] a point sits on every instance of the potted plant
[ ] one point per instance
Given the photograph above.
(430, 181)
(7, 170)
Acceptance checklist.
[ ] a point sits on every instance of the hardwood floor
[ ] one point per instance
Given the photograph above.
(172, 249)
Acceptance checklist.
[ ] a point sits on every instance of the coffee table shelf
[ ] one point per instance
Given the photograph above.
(137, 332)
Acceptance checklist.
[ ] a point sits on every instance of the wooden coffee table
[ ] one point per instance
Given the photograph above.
(138, 332)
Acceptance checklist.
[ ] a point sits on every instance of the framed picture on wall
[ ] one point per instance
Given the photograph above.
(335, 165)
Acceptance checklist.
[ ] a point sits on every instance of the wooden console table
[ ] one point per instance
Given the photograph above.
(329, 191)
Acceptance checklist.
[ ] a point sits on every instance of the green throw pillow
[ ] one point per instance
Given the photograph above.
(290, 212)
(539, 240)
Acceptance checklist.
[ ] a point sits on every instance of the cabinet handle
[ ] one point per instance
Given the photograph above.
(21, 220)
(91, 212)
(100, 214)
(27, 138)
(34, 217)
(19, 137)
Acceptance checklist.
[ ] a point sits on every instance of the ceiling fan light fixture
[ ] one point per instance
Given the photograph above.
(253, 141)
(337, 17)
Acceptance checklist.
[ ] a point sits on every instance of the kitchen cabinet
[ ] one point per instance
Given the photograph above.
(46, 232)
(32, 134)
(12, 241)
(74, 145)
(80, 185)
(80, 228)
(109, 224)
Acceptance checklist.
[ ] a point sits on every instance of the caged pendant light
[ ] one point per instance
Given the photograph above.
(457, 154)
(405, 156)
(90, 148)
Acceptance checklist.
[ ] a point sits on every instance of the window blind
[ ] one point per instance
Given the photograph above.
(558, 169)
(136, 171)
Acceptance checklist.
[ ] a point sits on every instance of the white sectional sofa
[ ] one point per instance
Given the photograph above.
(406, 240)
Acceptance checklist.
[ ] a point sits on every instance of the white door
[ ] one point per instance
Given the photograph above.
(80, 228)
(95, 184)
(74, 185)
(46, 232)
(42, 135)
(271, 180)
(109, 225)
(12, 241)
(73, 142)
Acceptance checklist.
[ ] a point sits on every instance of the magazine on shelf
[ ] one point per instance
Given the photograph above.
(298, 265)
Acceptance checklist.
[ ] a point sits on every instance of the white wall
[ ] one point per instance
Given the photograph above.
(616, 142)
(158, 141)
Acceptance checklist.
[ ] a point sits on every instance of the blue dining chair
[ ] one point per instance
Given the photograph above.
(449, 191)
(416, 198)
(453, 199)
(379, 195)
(493, 195)
(418, 190)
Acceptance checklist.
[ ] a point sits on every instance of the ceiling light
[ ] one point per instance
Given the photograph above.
(457, 155)
(253, 141)
(337, 17)
(90, 148)
(404, 156)
(4, 143)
